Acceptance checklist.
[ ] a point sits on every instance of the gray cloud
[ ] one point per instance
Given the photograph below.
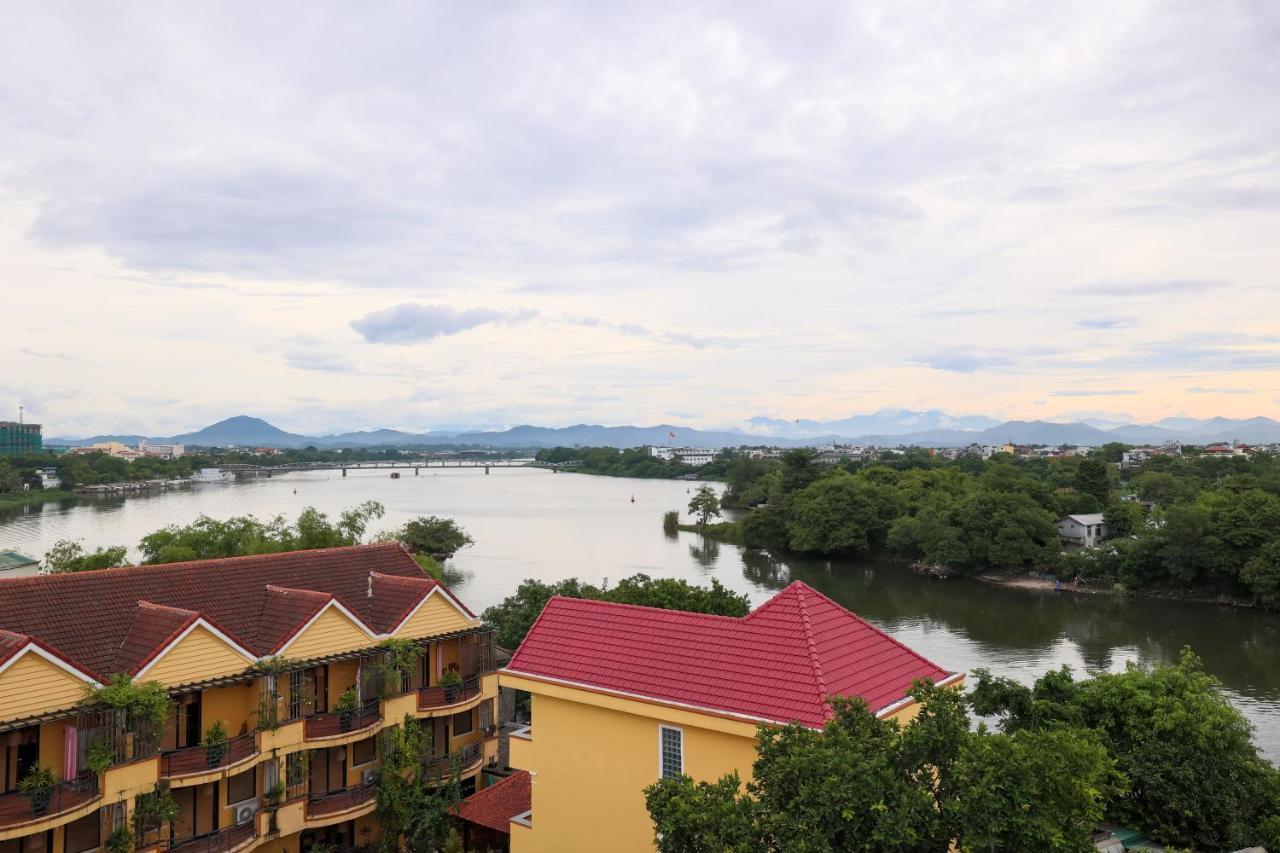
(1156, 287)
(1115, 392)
(411, 323)
(1105, 323)
(635, 330)
(965, 360)
(1201, 389)
(323, 362)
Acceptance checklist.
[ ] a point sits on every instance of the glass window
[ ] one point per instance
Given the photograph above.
(363, 751)
(84, 834)
(671, 748)
(462, 723)
(242, 786)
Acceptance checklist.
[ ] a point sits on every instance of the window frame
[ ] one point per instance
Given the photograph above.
(372, 740)
(663, 728)
(252, 773)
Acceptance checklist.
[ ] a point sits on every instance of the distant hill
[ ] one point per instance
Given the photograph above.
(883, 422)
(245, 431)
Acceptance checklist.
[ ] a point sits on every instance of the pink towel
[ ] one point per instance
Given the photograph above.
(69, 752)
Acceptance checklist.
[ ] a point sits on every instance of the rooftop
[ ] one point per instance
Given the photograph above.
(778, 663)
(497, 804)
(117, 620)
(16, 560)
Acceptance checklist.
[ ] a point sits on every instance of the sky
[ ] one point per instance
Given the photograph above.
(428, 215)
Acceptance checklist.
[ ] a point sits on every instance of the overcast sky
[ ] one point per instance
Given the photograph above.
(415, 215)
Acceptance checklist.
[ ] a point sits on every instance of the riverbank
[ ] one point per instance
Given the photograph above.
(35, 496)
(1042, 583)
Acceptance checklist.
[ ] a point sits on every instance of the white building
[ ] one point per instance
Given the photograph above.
(1086, 529)
(162, 451)
(685, 455)
(49, 478)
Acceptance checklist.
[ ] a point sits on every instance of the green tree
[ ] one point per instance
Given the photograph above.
(1195, 777)
(868, 784)
(414, 810)
(438, 537)
(514, 615)
(1093, 477)
(68, 555)
(840, 514)
(704, 505)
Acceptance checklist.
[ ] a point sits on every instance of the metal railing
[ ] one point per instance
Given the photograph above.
(216, 842)
(338, 723)
(333, 802)
(202, 759)
(17, 808)
(440, 697)
(442, 765)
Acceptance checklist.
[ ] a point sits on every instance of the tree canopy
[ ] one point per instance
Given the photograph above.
(433, 536)
(869, 784)
(514, 615)
(1195, 777)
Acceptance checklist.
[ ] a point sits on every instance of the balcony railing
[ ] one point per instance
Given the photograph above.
(336, 723)
(442, 765)
(440, 697)
(216, 842)
(334, 802)
(17, 809)
(202, 759)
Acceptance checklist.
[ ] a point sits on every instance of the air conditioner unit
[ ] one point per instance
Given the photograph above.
(368, 777)
(245, 812)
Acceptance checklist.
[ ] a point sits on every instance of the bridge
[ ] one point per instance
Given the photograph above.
(248, 470)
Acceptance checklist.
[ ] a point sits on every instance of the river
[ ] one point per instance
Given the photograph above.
(532, 523)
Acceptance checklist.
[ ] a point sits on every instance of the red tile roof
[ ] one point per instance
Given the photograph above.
(114, 620)
(495, 805)
(778, 663)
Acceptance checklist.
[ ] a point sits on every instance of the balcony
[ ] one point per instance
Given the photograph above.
(334, 724)
(337, 802)
(442, 697)
(202, 759)
(437, 766)
(216, 842)
(17, 809)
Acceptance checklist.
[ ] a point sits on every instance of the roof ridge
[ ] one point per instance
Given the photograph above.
(274, 587)
(811, 644)
(63, 577)
(142, 602)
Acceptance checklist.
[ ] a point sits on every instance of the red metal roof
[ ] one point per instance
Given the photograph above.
(115, 620)
(778, 663)
(495, 805)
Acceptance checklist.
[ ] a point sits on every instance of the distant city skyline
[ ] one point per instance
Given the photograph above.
(470, 217)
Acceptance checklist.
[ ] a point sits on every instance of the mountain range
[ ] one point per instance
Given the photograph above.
(888, 428)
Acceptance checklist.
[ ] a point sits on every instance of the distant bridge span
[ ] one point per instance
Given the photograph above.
(388, 465)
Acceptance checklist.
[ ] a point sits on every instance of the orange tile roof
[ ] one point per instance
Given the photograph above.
(116, 620)
(495, 805)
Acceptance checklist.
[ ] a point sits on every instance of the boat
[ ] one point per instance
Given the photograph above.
(395, 475)
(213, 475)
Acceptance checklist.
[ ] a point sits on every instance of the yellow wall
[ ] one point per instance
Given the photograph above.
(198, 656)
(342, 675)
(578, 801)
(436, 616)
(333, 632)
(236, 705)
(32, 685)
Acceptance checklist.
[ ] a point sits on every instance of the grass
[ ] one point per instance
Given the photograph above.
(35, 496)
(724, 531)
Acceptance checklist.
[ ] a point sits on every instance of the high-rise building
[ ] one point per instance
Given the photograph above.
(17, 439)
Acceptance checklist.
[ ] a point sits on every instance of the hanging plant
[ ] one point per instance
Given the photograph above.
(100, 756)
(147, 703)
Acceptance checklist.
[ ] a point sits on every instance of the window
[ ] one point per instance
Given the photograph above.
(84, 834)
(462, 723)
(242, 786)
(363, 751)
(670, 751)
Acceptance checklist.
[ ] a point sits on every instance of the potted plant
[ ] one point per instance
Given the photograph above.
(274, 795)
(120, 840)
(37, 786)
(215, 743)
(451, 681)
(346, 706)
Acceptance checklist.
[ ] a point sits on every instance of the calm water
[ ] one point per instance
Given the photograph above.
(532, 523)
